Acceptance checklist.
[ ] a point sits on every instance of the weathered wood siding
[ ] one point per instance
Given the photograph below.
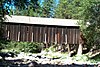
(42, 33)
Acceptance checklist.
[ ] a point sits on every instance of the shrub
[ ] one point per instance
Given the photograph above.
(32, 47)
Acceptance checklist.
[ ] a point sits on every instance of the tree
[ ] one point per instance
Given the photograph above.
(48, 8)
(30, 8)
(68, 9)
(2, 18)
(61, 10)
(1, 11)
(24, 7)
(92, 18)
(87, 11)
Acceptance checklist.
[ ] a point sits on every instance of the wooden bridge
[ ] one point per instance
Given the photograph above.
(42, 30)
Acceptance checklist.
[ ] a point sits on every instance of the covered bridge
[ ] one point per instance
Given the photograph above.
(45, 30)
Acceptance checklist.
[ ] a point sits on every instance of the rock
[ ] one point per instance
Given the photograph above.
(33, 64)
(38, 56)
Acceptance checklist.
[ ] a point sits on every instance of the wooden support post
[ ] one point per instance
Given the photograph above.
(8, 35)
(18, 36)
(55, 38)
(45, 38)
(80, 48)
(68, 46)
(32, 37)
(46, 44)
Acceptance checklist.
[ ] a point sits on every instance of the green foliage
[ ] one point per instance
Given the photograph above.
(83, 58)
(48, 7)
(88, 12)
(24, 47)
(51, 48)
(25, 7)
(62, 10)
(1, 12)
(95, 59)
(33, 8)
(91, 16)
(2, 18)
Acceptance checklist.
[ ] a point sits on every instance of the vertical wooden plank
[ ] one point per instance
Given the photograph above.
(66, 35)
(52, 35)
(27, 32)
(18, 32)
(74, 36)
(55, 35)
(11, 31)
(59, 36)
(14, 32)
(48, 35)
(70, 34)
(46, 32)
(21, 32)
(43, 34)
(38, 34)
(30, 33)
(71, 38)
(62, 32)
(32, 39)
(34, 35)
(12, 36)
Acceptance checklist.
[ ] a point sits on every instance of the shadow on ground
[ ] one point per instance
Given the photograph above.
(20, 63)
